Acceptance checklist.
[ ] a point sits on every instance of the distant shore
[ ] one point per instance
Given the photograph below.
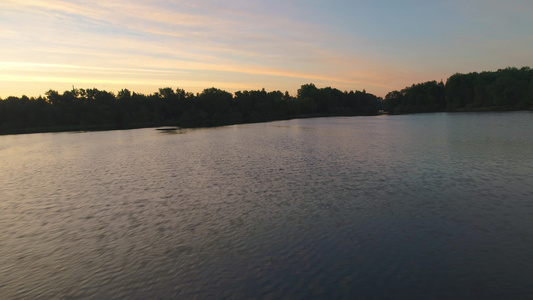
(509, 89)
(81, 128)
(95, 128)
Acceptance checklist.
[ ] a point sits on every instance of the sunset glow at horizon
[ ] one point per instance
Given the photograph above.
(143, 45)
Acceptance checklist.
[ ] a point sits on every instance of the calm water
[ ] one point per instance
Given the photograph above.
(415, 207)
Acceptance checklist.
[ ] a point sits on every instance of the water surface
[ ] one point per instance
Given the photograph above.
(387, 207)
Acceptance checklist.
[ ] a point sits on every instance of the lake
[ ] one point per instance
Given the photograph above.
(387, 207)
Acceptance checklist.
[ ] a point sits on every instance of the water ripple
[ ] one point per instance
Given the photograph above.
(422, 206)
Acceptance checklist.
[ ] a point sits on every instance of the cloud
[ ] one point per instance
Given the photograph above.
(349, 45)
(227, 42)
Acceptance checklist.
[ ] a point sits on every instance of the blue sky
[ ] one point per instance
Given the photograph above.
(236, 45)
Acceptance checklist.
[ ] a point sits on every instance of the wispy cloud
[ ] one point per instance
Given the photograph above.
(217, 39)
(342, 44)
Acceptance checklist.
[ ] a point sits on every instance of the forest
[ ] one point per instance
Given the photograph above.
(505, 89)
(93, 109)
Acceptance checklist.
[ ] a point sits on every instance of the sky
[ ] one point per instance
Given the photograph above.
(143, 45)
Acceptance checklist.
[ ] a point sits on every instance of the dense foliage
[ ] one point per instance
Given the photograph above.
(81, 109)
(505, 89)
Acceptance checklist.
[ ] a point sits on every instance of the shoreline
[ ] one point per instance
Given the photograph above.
(109, 127)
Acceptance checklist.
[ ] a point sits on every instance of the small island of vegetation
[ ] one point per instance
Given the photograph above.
(93, 109)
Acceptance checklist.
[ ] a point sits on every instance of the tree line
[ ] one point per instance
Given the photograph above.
(90, 109)
(505, 89)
